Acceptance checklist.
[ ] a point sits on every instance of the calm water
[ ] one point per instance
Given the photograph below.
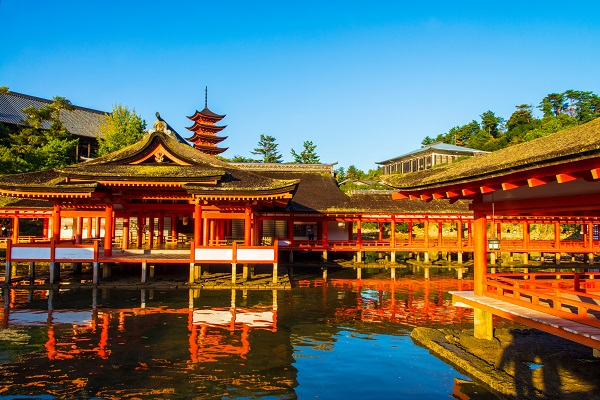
(340, 340)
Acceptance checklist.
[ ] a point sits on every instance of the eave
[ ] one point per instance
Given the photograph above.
(504, 180)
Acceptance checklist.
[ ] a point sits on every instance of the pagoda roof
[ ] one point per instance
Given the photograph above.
(211, 150)
(509, 167)
(210, 138)
(199, 126)
(158, 160)
(206, 113)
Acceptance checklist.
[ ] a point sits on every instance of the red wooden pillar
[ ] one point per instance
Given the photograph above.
(45, 227)
(557, 234)
(459, 234)
(98, 226)
(526, 235)
(380, 238)
(393, 234)
(79, 230)
(125, 241)
(469, 234)
(211, 238)
(174, 232)
(290, 230)
(108, 228)
(198, 225)
(161, 229)
(590, 235)
(140, 230)
(479, 251)
(55, 224)
(89, 228)
(359, 232)
(325, 233)
(440, 233)
(410, 232)
(15, 229)
(151, 230)
(426, 233)
(248, 226)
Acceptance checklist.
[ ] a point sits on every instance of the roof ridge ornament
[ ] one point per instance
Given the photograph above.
(160, 126)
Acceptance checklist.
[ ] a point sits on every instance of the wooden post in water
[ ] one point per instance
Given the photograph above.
(233, 272)
(192, 273)
(275, 273)
(359, 273)
(482, 320)
(144, 270)
(324, 270)
(95, 272)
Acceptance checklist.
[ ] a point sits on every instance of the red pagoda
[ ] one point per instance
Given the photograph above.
(205, 130)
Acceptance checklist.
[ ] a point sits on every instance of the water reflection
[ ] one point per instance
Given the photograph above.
(110, 343)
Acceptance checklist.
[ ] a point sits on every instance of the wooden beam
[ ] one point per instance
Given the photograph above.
(399, 196)
(533, 182)
(510, 185)
(563, 178)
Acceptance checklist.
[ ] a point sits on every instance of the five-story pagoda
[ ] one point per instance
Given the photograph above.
(205, 130)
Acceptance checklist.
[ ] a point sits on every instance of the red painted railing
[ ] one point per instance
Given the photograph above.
(569, 295)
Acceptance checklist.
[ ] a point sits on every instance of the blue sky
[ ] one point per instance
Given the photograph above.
(364, 81)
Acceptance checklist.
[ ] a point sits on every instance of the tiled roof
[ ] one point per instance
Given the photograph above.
(80, 122)
(445, 147)
(577, 143)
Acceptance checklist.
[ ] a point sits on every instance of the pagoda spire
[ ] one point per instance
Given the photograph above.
(205, 129)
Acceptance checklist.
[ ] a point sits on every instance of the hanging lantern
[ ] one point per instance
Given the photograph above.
(185, 221)
(493, 244)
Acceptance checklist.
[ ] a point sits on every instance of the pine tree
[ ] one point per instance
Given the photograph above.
(267, 148)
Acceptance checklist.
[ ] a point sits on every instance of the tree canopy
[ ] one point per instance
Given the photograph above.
(120, 128)
(42, 143)
(559, 111)
(308, 155)
(267, 149)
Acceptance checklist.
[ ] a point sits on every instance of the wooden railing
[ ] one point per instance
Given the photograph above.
(569, 295)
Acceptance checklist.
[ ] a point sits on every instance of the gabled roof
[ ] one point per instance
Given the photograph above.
(510, 167)
(443, 147)
(158, 160)
(80, 122)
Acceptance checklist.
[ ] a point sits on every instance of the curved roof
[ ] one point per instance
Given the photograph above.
(579, 143)
(206, 113)
(159, 159)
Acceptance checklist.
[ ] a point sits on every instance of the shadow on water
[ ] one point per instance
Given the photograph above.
(545, 366)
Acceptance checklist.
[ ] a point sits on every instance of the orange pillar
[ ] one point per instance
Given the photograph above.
(125, 242)
(79, 230)
(198, 225)
(290, 229)
(248, 227)
(55, 223)
(480, 251)
(15, 229)
(151, 231)
(108, 228)
(161, 229)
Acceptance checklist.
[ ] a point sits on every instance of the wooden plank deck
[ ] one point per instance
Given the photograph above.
(571, 330)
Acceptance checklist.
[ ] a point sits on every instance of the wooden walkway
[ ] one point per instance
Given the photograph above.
(568, 329)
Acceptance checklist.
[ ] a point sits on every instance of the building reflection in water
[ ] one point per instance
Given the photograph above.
(231, 343)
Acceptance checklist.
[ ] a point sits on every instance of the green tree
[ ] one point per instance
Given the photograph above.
(120, 128)
(267, 149)
(35, 146)
(307, 155)
(491, 123)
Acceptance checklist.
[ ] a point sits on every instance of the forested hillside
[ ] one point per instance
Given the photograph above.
(559, 111)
